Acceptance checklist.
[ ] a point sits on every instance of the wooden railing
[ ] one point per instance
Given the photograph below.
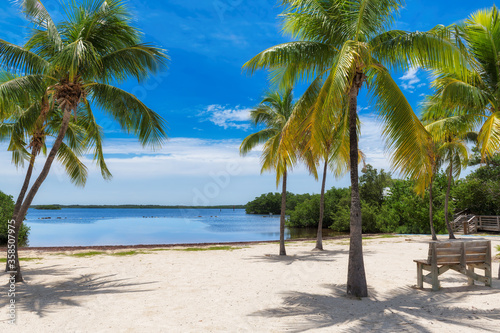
(489, 223)
(469, 224)
(460, 221)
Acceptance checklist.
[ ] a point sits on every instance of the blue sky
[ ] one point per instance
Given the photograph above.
(205, 98)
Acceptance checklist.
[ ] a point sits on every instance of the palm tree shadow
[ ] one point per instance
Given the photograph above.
(43, 298)
(318, 256)
(402, 309)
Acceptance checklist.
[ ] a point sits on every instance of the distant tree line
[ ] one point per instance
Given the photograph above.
(56, 206)
(391, 205)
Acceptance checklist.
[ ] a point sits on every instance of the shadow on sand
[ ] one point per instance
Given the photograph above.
(400, 310)
(42, 298)
(319, 256)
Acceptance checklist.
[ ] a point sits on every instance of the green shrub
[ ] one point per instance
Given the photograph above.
(6, 210)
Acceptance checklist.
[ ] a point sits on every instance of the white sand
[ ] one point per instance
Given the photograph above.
(244, 290)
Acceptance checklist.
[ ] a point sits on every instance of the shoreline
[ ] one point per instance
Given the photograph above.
(248, 289)
(152, 246)
(171, 245)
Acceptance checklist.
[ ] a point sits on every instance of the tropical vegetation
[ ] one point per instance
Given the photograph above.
(388, 206)
(56, 79)
(479, 192)
(278, 154)
(6, 210)
(343, 46)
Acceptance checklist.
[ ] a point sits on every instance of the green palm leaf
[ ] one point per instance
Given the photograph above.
(132, 115)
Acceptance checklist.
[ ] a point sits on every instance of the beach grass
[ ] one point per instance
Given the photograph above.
(381, 236)
(87, 254)
(210, 248)
(20, 259)
(127, 253)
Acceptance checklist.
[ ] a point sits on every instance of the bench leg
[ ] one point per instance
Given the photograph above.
(487, 273)
(434, 277)
(470, 281)
(420, 276)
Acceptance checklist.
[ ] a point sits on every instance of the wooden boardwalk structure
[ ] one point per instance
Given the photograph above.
(469, 224)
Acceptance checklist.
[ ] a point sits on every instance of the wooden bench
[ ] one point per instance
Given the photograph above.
(462, 256)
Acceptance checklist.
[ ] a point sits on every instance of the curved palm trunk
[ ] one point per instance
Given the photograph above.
(19, 202)
(282, 217)
(431, 220)
(319, 239)
(446, 198)
(356, 279)
(34, 189)
(34, 153)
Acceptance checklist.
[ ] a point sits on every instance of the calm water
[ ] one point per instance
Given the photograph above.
(101, 226)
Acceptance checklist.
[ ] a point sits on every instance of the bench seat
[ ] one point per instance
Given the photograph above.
(462, 256)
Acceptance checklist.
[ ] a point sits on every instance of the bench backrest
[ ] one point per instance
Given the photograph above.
(460, 252)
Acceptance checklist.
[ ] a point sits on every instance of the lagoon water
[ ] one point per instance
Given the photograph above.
(117, 226)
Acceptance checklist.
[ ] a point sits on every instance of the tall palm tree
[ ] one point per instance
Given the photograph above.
(345, 44)
(450, 135)
(329, 144)
(71, 67)
(279, 153)
(474, 88)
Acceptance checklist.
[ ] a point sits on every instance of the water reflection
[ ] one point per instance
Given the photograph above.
(102, 226)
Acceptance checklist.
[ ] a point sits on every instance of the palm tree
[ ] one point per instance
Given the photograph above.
(450, 135)
(329, 143)
(279, 152)
(70, 67)
(344, 44)
(473, 89)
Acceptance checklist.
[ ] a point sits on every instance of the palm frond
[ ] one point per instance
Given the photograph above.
(137, 61)
(35, 11)
(20, 60)
(489, 136)
(19, 90)
(132, 115)
(294, 60)
(94, 139)
(74, 167)
(405, 135)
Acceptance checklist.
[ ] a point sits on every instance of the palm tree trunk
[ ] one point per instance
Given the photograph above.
(446, 198)
(319, 239)
(34, 153)
(431, 221)
(19, 202)
(356, 279)
(34, 189)
(282, 217)
(26, 183)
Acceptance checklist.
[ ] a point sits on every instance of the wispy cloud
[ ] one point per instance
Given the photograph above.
(227, 117)
(175, 173)
(410, 80)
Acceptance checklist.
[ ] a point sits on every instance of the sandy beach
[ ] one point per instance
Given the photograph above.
(246, 289)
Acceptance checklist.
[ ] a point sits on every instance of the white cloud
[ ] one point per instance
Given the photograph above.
(372, 144)
(410, 80)
(360, 108)
(177, 172)
(222, 116)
